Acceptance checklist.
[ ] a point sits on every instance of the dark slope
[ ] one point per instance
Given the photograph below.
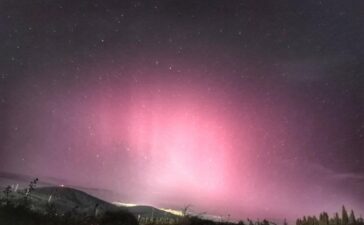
(149, 211)
(69, 199)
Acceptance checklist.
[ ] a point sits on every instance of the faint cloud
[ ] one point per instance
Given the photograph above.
(349, 176)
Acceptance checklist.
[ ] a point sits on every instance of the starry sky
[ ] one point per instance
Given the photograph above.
(248, 108)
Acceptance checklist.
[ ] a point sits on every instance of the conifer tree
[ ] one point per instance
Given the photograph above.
(344, 217)
(337, 219)
(304, 220)
(324, 219)
(265, 222)
(7, 192)
(352, 219)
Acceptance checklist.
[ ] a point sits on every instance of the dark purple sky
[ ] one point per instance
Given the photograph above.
(248, 108)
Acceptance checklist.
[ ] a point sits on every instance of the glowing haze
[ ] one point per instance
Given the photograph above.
(179, 139)
(232, 107)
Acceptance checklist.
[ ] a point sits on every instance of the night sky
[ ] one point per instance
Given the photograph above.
(249, 108)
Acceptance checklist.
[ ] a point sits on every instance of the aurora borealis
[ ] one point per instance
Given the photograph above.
(248, 108)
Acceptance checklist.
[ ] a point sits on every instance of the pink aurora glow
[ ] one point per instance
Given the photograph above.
(182, 142)
(174, 141)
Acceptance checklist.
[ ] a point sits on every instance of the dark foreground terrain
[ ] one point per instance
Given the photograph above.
(67, 206)
(21, 215)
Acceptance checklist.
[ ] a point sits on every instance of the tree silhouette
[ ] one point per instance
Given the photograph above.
(344, 217)
(352, 219)
(7, 192)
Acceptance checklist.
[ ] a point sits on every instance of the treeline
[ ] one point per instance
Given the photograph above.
(324, 219)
